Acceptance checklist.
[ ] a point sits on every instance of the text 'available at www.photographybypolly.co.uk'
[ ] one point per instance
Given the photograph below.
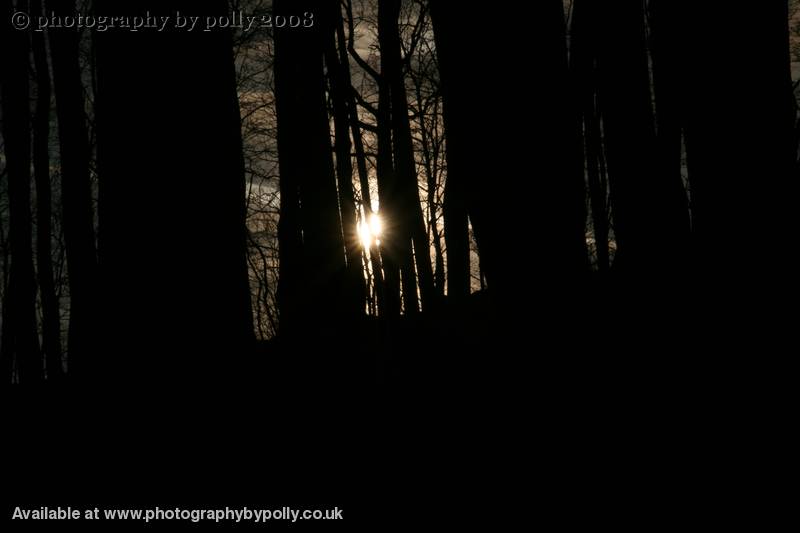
(154, 514)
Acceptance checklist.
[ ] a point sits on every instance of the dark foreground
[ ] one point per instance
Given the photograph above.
(464, 419)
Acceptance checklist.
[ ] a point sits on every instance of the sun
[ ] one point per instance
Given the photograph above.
(370, 231)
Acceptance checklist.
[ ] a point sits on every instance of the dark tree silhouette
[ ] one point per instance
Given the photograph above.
(307, 171)
(396, 247)
(649, 212)
(20, 341)
(525, 144)
(407, 215)
(361, 159)
(339, 93)
(736, 106)
(172, 217)
(738, 135)
(676, 222)
(660, 350)
(456, 119)
(76, 187)
(583, 59)
(51, 321)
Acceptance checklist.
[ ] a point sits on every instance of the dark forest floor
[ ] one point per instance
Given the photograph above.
(459, 411)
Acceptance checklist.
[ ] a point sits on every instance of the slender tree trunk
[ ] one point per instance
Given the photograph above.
(413, 221)
(20, 342)
(51, 321)
(339, 88)
(435, 237)
(76, 189)
(361, 162)
(584, 64)
(395, 246)
(430, 176)
(670, 122)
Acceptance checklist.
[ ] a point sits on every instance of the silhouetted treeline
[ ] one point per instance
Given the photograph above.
(399, 255)
(390, 187)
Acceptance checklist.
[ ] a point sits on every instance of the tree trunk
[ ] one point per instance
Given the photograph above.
(290, 247)
(339, 87)
(524, 183)
(51, 321)
(395, 244)
(456, 123)
(649, 214)
(361, 163)
(305, 162)
(584, 64)
(430, 168)
(670, 123)
(433, 231)
(20, 341)
(412, 221)
(76, 189)
(172, 199)
(737, 106)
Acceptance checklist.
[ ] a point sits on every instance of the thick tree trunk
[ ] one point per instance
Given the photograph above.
(305, 160)
(737, 106)
(76, 189)
(290, 233)
(524, 183)
(290, 249)
(51, 321)
(172, 198)
(650, 216)
(456, 123)
(20, 341)
(738, 137)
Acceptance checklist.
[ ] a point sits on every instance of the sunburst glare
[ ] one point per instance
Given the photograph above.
(370, 231)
